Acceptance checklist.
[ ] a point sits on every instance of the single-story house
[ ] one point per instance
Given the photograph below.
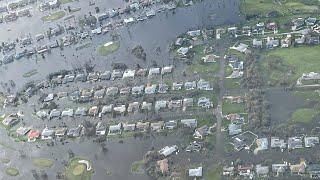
(115, 129)
(190, 123)
(142, 126)
(47, 133)
(129, 127)
(168, 150)
(100, 129)
(157, 126)
(196, 172)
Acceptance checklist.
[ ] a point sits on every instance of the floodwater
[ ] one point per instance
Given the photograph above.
(159, 31)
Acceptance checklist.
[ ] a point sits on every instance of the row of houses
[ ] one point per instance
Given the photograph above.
(281, 169)
(203, 102)
(86, 95)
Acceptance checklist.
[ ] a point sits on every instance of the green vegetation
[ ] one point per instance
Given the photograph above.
(232, 83)
(279, 62)
(42, 162)
(137, 167)
(304, 115)
(308, 95)
(111, 48)
(214, 173)
(54, 16)
(30, 73)
(228, 108)
(76, 170)
(11, 171)
(286, 7)
(4, 160)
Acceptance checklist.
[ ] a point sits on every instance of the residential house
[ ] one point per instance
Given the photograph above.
(245, 171)
(74, 96)
(257, 43)
(272, 43)
(228, 171)
(54, 113)
(163, 166)
(205, 102)
(62, 95)
(278, 143)
(142, 126)
(33, 135)
(196, 172)
(298, 169)
(67, 112)
(262, 143)
(157, 126)
(129, 74)
(94, 76)
(141, 72)
(116, 74)
(74, 132)
(21, 131)
(49, 98)
(115, 129)
(311, 141)
(163, 88)
(194, 33)
(183, 51)
(177, 86)
(47, 134)
(190, 85)
(235, 118)
(105, 76)
(125, 91)
(120, 109)
(204, 85)
(42, 114)
(133, 107)
(81, 111)
(234, 129)
(170, 124)
(194, 146)
(68, 78)
(60, 132)
(187, 102)
(210, 58)
(201, 132)
(137, 90)
(99, 94)
(129, 127)
(154, 71)
(314, 171)
(262, 171)
(168, 150)
(190, 123)
(107, 109)
(80, 77)
(310, 21)
(243, 48)
(295, 143)
(297, 24)
(279, 168)
(100, 129)
(166, 70)
(286, 42)
(93, 111)
(146, 106)
(161, 104)
(112, 91)
(175, 104)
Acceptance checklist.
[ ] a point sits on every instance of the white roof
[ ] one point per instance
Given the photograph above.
(197, 172)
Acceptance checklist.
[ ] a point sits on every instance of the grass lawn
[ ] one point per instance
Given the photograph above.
(214, 173)
(42, 162)
(137, 167)
(4, 160)
(11, 171)
(203, 68)
(300, 60)
(304, 115)
(54, 16)
(30, 73)
(232, 83)
(308, 95)
(106, 50)
(228, 108)
(263, 7)
(76, 170)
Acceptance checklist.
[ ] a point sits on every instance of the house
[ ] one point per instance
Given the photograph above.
(166, 70)
(74, 132)
(68, 78)
(93, 111)
(204, 85)
(205, 102)
(279, 168)
(62, 94)
(133, 107)
(190, 85)
(100, 129)
(297, 24)
(49, 98)
(129, 20)
(183, 51)
(272, 43)
(99, 94)
(232, 30)
(262, 143)
(201, 132)
(94, 76)
(177, 86)
(115, 129)
(125, 91)
(150, 13)
(190, 123)
(241, 48)
(168, 150)
(120, 109)
(272, 26)
(86, 95)
(163, 166)
(179, 42)
(80, 77)
(137, 90)
(286, 42)
(154, 71)
(33, 135)
(210, 58)
(146, 106)
(228, 171)
(245, 171)
(150, 89)
(313, 40)
(157, 126)
(278, 143)
(170, 124)
(262, 171)
(60, 132)
(54, 113)
(298, 168)
(112, 91)
(116, 74)
(107, 109)
(142, 126)
(235, 118)
(314, 171)
(129, 74)
(187, 102)
(21, 131)
(238, 65)
(194, 146)
(67, 112)
(311, 141)
(234, 129)
(300, 39)
(197, 172)
(105, 76)
(42, 114)
(310, 21)
(194, 33)
(163, 88)
(295, 143)
(233, 99)
(257, 43)
(81, 111)
(161, 104)
(47, 134)
(141, 72)
(129, 127)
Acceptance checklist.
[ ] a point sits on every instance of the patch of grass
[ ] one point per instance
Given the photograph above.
(106, 50)
(76, 171)
(232, 83)
(304, 115)
(214, 173)
(228, 108)
(203, 68)
(11, 171)
(65, 1)
(30, 73)
(53, 16)
(42, 162)
(308, 95)
(4, 160)
(137, 167)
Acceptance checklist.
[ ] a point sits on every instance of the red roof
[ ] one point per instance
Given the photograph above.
(33, 134)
